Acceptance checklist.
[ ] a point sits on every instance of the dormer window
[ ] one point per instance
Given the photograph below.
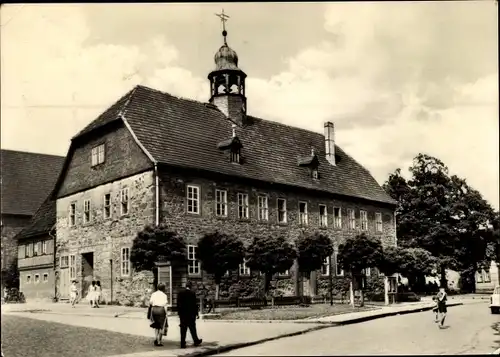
(98, 155)
(315, 173)
(310, 162)
(235, 156)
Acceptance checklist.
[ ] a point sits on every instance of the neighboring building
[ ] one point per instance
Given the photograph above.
(486, 280)
(199, 167)
(36, 254)
(26, 180)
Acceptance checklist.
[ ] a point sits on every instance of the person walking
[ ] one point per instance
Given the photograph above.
(187, 308)
(157, 313)
(441, 306)
(73, 293)
(98, 293)
(91, 293)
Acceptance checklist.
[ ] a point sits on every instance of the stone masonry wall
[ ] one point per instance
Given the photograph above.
(193, 226)
(12, 225)
(106, 237)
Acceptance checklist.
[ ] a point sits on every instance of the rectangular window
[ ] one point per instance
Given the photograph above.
(244, 270)
(72, 267)
(325, 268)
(378, 221)
(235, 156)
(284, 273)
(29, 250)
(72, 214)
(45, 277)
(352, 218)
(323, 216)
(368, 272)
(479, 277)
(125, 261)
(193, 199)
(263, 208)
(86, 211)
(303, 213)
(98, 155)
(37, 278)
(364, 220)
(338, 270)
(486, 276)
(37, 248)
(45, 247)
(193, 263)
(124, 201)
(281, 210)
(64, 261)
(107, 206)
(337, 217)
(28, 279)
(221, 203)
(242, 206)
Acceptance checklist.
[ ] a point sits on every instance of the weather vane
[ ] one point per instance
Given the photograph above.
(223, 18)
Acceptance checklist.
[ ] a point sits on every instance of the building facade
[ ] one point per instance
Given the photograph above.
(487, 279)
(27, 179)
(154, 158)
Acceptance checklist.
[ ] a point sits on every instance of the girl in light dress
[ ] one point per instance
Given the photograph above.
(91, 295)
(98, 293)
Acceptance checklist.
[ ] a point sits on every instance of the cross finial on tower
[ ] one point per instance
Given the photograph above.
(223, 18)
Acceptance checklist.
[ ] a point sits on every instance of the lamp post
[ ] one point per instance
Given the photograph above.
(331, 282)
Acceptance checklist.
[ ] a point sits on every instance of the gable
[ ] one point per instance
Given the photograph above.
(122, 158)
(27, 179)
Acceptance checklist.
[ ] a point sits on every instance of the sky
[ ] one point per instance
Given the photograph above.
(397, 79)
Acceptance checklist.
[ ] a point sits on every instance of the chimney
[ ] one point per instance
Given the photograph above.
(330, 142)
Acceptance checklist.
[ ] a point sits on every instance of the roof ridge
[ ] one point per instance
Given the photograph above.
(31, 152)
(171, 95)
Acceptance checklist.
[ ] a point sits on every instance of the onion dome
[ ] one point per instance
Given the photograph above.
(226, 58)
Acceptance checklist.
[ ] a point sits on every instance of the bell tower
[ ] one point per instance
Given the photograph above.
(227, 81)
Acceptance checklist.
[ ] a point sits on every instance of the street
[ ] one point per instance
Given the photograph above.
(470, 329)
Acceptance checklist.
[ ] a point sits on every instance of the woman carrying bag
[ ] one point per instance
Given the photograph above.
(157, 313)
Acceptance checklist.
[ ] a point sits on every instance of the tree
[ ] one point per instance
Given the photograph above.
(270, 255)
(439, 213)
(312, 250)
(219, 253)
(415, 265)
(10, 276)
(392, 260)
(359, 253)
(157, 244)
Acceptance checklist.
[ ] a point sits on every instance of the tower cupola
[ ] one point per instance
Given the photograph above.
(227, 81)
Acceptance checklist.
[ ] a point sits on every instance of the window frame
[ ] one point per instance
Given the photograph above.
(243, 205)
(124, 201)
(363, 220)
(194, 269)
(72, 214)
(37, 248)
(125, 265)
(106, 204)
(28, 279)
(243, 270)
(337, 220)
(378, 223)
(303, 216)
(283, 211)
(64, 258)
(323, 218)
(45, 278)
(351, 216)
(326, 264)
(72, 266)
(45, 247)
(235, 156)
(286, 273)
(87, 211)
(263, 208)
(221, 205)
(36, 279)
(98, 155)
(197, 200)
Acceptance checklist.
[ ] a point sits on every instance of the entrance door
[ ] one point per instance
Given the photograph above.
(64, 283)
(87, 272)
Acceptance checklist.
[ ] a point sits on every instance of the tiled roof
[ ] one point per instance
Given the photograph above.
(27, 179)
(185, 133)
(42, 221)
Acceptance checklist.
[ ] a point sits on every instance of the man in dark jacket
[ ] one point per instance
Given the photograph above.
(187, 308)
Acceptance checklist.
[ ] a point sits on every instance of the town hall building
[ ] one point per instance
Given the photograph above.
(156, 158)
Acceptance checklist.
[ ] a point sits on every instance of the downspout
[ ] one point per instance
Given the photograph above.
(54, 251)
(157, 194)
